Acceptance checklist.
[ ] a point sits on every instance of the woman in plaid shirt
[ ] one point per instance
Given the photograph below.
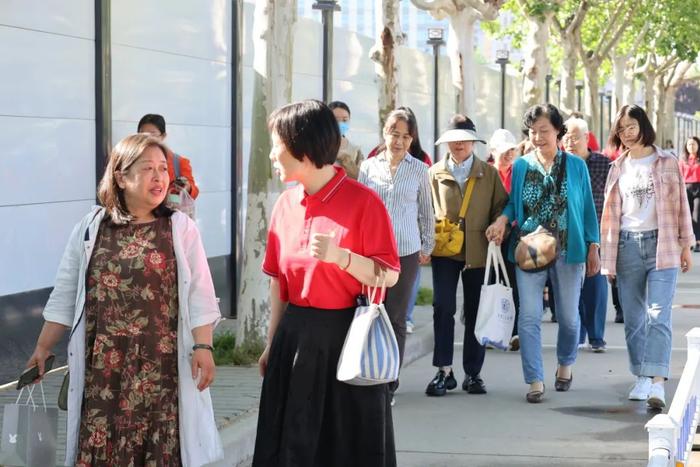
(646, 236)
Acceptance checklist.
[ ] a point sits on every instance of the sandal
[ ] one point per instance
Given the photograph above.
(561, 384)
(535, 397)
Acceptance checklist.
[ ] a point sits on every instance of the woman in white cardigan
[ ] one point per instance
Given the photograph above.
(135, 291)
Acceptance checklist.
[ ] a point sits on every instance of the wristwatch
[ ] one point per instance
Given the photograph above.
(203, 346)
(590, 244)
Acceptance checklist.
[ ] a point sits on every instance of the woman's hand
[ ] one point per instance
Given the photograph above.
(423, 259)
(38, 358)
(496, 231)
(325, 248)
(204, 367)
(593, 261)
(262, 361)
(611, 279)
(686, 259)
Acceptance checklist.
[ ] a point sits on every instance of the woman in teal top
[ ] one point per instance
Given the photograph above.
(536, 200)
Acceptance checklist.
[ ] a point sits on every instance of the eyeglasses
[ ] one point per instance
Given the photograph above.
(570, 138)
(633, 128)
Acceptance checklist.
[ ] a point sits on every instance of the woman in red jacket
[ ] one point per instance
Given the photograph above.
(690, 169)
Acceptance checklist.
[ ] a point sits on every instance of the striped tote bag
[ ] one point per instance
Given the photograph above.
(370, 353)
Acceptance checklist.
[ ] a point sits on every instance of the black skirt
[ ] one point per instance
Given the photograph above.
(307, 417)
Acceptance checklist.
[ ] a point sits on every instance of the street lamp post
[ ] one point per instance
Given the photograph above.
(601, 94)
(435, 39)
(327, 7)
(579, 89)
(547, 80)
(502, 59)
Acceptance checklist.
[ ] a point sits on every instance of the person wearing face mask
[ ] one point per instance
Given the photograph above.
(349, 156)
(593, 304)
(179, 167)
(647, 234)
(461, 174)
(401, 181)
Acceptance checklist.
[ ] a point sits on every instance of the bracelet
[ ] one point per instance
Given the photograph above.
(349, 261)
(203, 346)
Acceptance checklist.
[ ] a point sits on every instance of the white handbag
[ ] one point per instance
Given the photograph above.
(496, 315)
(370, 353)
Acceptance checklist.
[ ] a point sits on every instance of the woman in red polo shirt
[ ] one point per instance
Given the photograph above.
(326, 235)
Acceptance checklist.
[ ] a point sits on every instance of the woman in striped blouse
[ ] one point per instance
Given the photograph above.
(401, 181)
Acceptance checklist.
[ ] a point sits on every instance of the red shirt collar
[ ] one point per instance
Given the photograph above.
(326, 193)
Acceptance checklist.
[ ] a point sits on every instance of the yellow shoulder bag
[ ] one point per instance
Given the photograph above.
(449, 236)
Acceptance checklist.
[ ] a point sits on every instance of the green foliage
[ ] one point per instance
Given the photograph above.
(424, 297)
(226, 352)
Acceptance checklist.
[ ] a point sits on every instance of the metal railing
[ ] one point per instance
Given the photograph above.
(671, 435)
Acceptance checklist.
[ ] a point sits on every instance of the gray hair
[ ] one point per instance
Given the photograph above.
(579, 123)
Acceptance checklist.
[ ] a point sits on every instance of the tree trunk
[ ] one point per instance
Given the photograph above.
(620, 81)
(536, 63)
(568, 76)
(384, 55)
(591, 70)
(649, 85)
(629, 91)
(460, 47)
(668, 117)
(273, 28)
(659, 106)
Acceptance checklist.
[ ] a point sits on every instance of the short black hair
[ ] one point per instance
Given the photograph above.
(339, 105)
(647, 135)
(154, 119)
(307, 128)
(548, 111)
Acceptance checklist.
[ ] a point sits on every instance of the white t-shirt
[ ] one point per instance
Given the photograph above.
(638, 194)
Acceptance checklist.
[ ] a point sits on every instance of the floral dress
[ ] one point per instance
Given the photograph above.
(130, 405)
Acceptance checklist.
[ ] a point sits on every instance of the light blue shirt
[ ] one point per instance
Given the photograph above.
(460, 171)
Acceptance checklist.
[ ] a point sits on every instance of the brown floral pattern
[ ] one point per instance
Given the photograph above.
(130, 405)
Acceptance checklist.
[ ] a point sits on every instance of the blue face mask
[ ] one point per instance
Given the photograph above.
(344, 127)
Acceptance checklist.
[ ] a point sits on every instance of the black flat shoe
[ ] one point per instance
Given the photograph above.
(474, 385)
(441, 383)
(561, 384)
(535, 397)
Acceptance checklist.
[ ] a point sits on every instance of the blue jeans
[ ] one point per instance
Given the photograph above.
(593, 306)
(567, 280)
(414, 296)
(646, 296)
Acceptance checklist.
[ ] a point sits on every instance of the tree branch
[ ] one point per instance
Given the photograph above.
(487, 11)
(437, 8)
(603, 50)
(578, 18)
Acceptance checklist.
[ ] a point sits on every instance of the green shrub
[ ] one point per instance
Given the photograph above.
(424, 297)
(226, 352)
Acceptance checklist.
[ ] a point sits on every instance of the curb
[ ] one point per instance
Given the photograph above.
(238, 438)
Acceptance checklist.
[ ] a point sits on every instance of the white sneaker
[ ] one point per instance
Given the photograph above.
(640, 391)
(409, 327)
(656, 398)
